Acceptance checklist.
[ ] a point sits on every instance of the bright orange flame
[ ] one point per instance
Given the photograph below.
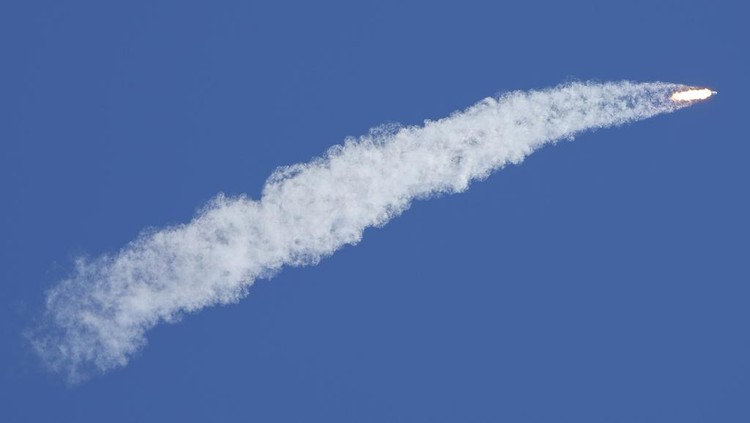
(692, 94)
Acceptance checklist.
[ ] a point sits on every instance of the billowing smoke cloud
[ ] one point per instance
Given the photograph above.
(97, 318)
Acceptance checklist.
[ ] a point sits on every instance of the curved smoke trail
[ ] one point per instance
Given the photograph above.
(97, 318)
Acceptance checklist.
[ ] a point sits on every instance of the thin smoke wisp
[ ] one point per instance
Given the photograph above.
(97, 318)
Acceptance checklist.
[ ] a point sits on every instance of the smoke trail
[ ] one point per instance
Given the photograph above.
(97, 318)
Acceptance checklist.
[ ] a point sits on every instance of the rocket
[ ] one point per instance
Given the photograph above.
(693, 94)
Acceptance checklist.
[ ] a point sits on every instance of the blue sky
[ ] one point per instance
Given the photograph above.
(601, 280)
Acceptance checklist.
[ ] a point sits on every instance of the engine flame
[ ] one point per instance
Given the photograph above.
(693, 94)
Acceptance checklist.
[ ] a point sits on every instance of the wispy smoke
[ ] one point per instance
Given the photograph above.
(97, 318)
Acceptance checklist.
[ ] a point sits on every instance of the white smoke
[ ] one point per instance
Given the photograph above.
(97, 318)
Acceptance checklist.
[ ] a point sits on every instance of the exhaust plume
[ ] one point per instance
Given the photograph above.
(97, 318)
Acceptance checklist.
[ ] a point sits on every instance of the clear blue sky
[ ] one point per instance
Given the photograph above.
(604, 280)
